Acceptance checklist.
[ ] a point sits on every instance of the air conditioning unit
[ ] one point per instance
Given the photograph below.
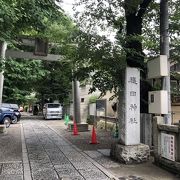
(158, 102)
(158, 67)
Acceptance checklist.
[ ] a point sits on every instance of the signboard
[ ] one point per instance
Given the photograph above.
(131, 129)
(92, 109)
(167, 146)
(41, 47)
(101, 107)
(100, 104)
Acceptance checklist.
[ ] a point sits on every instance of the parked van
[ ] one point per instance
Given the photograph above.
(52, 111)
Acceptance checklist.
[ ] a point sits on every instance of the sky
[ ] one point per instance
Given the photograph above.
(67, 6)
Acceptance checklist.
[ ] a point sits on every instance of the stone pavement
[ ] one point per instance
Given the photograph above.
(11, 165)
(44, 150)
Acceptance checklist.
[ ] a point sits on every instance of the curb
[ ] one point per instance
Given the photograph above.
(26, 165)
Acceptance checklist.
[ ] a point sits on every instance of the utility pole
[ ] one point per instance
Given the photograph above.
(3, 47)
(164, 50)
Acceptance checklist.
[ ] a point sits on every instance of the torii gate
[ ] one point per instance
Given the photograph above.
(40, 53)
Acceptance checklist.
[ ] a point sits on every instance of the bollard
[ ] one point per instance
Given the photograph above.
(3, 128)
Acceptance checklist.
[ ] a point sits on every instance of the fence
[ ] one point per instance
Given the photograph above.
(166, 139)
(145, 126)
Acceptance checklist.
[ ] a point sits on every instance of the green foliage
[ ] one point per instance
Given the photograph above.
(31, 99)
(87, 53)
(136, 25)
(99, 60)
(20, 77)
(49, 80)
(43, 19)
(93, 99)
(26, 17)
(61, 30)
(90, 121)
(56, 85)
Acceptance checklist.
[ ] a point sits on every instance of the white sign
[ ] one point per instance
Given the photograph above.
(131, 129)
(92, 109)
(167, 146)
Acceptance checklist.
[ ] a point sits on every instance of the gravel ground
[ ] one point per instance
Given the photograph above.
(100, 153)
(82, 141)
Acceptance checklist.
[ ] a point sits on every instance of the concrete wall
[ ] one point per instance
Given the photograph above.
(110, 111)
(146, 129)
(175, 113)
(84, 101)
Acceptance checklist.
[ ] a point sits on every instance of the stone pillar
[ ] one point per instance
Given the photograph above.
(155, 138)
(129, 150)
(76, 109)
(130, 121)
(3, 47)
(76, 101)
(146, 129)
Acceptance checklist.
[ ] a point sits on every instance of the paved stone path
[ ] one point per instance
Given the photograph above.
(52, 157)
(44, 150)
(11, 166)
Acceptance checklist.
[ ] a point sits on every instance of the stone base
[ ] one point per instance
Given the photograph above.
(3, 129)
(133, 154)
(82, 127)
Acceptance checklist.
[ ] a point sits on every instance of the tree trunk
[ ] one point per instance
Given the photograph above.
(135, 56)
(134, 51)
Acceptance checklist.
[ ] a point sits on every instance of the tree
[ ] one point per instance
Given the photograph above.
(110, 57)
(56, 85)
(20, 77)
(98, 60)
(136, 24)
(20, 17)
(42, 19)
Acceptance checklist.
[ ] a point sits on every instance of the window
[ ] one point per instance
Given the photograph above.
(53, 105)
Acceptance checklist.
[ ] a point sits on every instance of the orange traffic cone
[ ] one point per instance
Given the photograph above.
(93, 137)
(75, 129)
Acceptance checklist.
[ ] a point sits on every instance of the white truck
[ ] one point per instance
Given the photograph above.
(52, 111)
